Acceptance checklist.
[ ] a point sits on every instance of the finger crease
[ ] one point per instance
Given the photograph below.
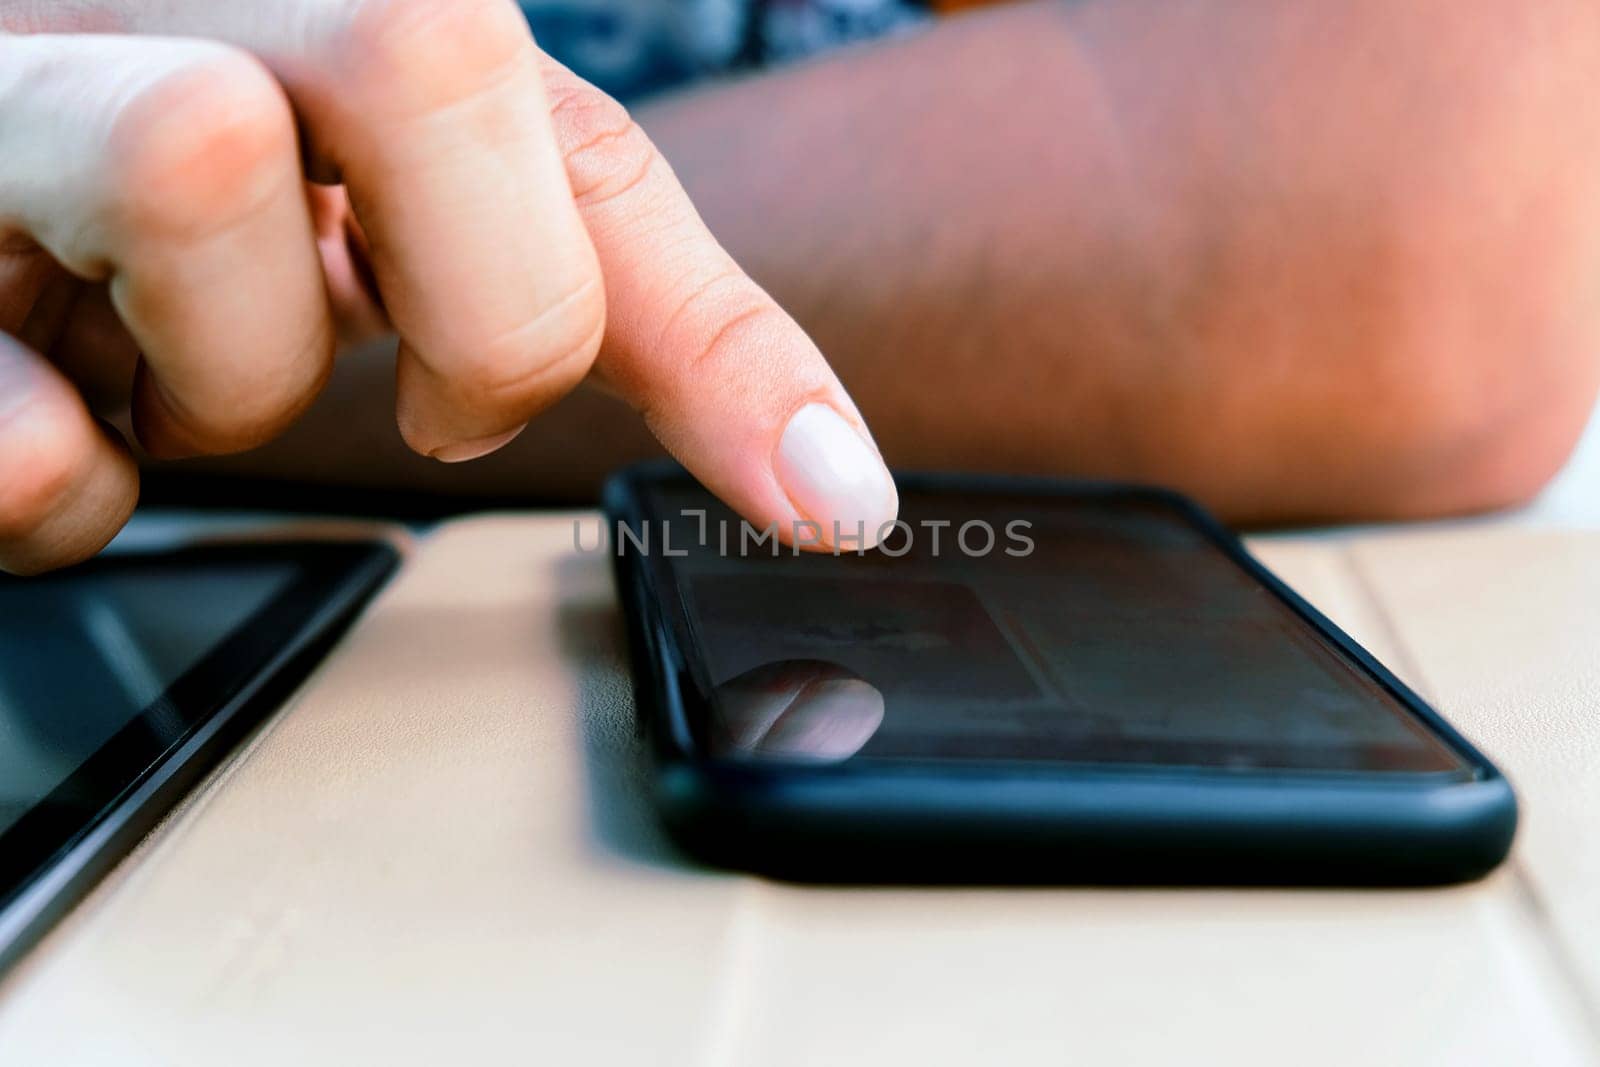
(727, 328)
(598, 193)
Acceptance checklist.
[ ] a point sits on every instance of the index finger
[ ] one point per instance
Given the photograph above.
(723, 376)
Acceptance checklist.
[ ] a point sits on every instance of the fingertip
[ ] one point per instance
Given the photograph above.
(465, 451)
(459, 407)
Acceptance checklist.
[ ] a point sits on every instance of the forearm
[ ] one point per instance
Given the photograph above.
(1303, 260)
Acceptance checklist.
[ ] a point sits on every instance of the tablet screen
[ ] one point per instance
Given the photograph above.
(124, 679)
(83, 654)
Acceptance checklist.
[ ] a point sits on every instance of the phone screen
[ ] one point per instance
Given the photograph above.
(1098, 629)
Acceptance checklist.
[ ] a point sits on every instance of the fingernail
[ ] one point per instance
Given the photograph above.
(465, 450)
(835, 478)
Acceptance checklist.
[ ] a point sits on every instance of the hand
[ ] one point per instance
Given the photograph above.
(161, 250)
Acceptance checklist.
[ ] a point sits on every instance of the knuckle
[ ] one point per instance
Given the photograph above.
(540, 360)
(200, 147)
(247, 426)
(237, 419)
(424, 54)
(607, 154)
(222, 409)
(199, 432)
(42, 456)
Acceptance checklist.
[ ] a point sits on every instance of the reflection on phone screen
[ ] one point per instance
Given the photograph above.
(1126, 635)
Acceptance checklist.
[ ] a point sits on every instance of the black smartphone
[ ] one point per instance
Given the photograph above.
(1026, 681)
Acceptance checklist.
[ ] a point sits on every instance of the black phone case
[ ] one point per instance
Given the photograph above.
(976, 823)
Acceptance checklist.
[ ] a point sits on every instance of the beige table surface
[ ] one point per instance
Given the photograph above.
(436, 852)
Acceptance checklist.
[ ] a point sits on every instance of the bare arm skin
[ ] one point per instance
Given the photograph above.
(1303, 260)
(159, 245)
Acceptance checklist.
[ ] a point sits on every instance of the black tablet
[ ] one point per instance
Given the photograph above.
(122, 681)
